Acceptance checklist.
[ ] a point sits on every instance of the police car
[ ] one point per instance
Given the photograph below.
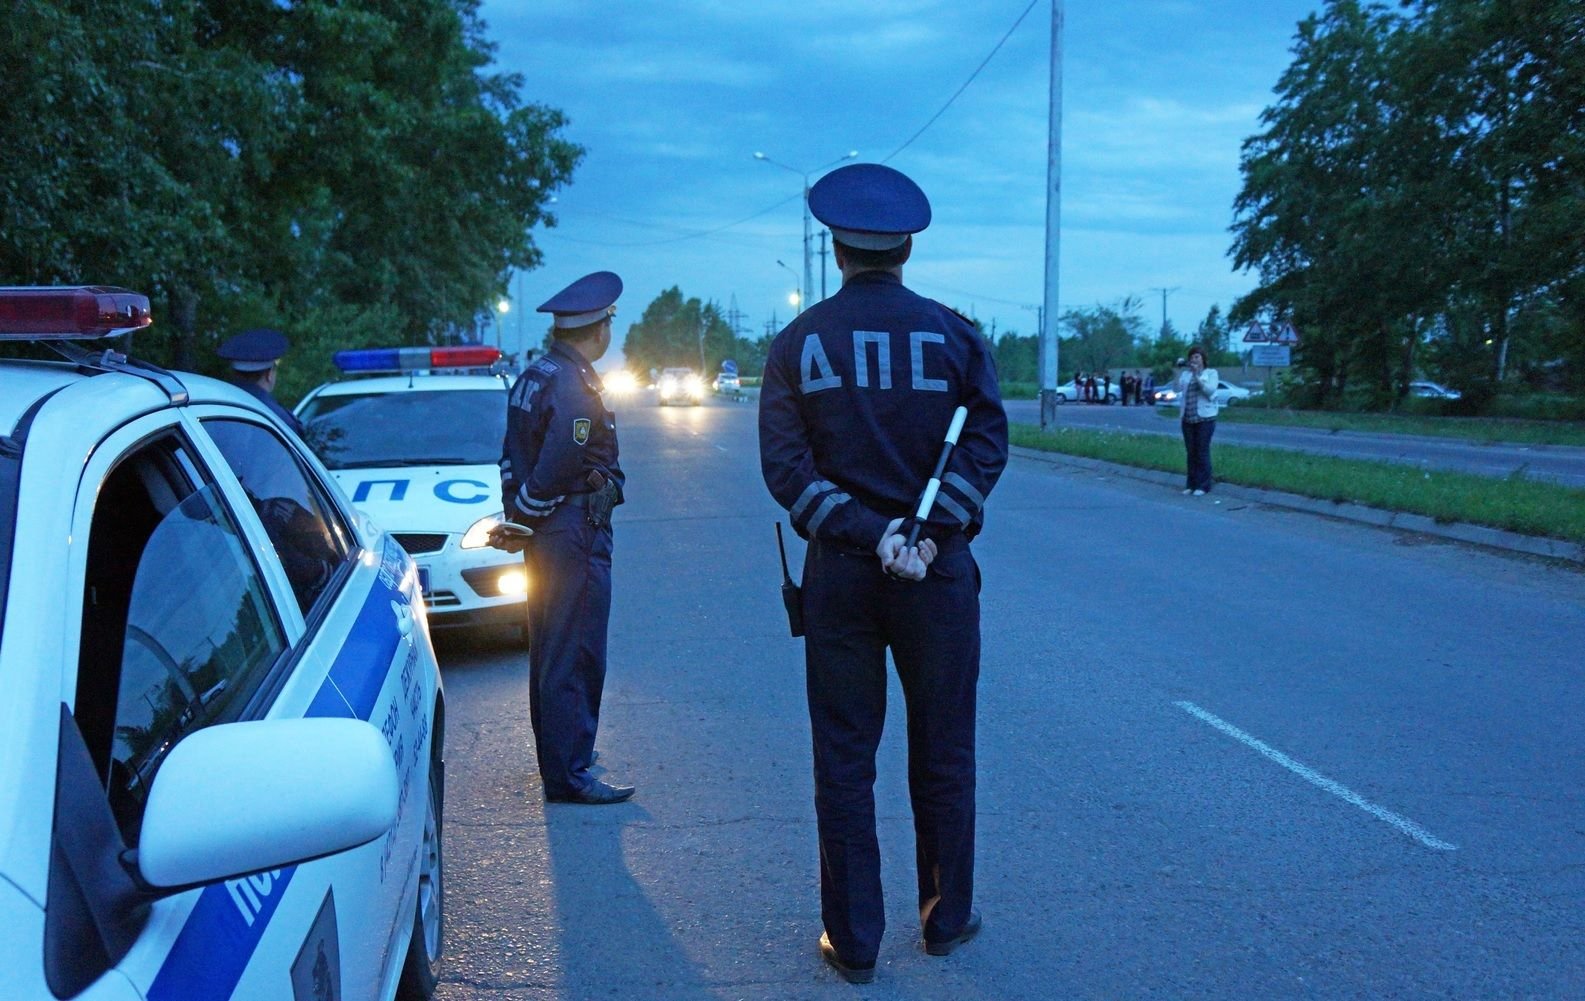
(420, 452)
(220, 741)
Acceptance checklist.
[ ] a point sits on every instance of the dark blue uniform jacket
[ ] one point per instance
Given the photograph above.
(557, 431)
(259, 393)
(858, 393)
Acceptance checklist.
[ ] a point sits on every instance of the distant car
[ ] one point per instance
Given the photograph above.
(727, 383)
(1226, 394)
(220, 736)
(420, 454)
(1433, 391)
(620, 382)
(680, 385)
(1070, 393)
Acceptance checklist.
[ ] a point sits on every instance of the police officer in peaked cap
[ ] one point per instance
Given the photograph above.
(255, 356)
(858, 394)
(560, 477)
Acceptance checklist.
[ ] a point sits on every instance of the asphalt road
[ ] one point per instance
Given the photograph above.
(1225, 752)
(1559, 463)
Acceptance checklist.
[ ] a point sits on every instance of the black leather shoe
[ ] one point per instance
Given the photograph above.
(971, 928)
(598, 794)
(852, 974)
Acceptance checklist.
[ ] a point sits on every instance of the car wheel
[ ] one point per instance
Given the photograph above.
(1061, 398)
(420, 972)
(1111, 398)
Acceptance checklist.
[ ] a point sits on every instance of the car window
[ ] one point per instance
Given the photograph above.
(178, 628)
(310, 538)
(417, 428)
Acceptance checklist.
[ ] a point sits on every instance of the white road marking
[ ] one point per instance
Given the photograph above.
(1403, 824)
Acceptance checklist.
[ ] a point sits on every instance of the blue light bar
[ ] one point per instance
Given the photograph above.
(414, 359)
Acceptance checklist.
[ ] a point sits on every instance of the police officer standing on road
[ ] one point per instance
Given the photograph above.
(858, 394)
(559, 476)
(255, 357)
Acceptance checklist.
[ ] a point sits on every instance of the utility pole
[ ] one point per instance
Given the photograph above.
(1048, 341)
(823, 253)
(1164, 293)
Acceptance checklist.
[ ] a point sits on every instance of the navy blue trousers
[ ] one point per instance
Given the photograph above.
(1197, 444)
(569, 604)
(852, 613)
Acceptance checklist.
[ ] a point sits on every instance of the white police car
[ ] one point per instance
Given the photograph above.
(420, 453)
(220, 740)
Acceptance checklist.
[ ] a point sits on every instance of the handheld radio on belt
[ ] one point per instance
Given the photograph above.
(790, 596)
(928, 499)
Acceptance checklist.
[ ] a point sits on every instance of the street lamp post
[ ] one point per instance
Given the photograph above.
(501, 309)
(797, 296)
(808, 279)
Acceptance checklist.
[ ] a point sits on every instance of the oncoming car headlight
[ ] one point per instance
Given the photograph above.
(478, 534)
(621, 382)
(693, 385)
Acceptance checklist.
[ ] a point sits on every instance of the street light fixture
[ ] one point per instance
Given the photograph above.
(501, 309)
(808, 279)
(795, 297)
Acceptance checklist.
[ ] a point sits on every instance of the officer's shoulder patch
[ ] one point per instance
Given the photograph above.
(581, 426)
(545, 364)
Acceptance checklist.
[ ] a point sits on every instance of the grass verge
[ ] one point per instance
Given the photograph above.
(1481, 429)
(1514, 504)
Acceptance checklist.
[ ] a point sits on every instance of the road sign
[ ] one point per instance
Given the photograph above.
(1270, 355)
(729, 366)
(1286, 334)
(1256, 334)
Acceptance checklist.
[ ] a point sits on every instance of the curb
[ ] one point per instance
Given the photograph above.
(1399, 521)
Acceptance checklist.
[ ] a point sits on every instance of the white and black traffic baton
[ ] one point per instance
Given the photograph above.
(927, 500)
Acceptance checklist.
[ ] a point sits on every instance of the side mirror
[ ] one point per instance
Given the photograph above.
(237, 798)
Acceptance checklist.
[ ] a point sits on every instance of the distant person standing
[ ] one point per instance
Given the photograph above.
(859, 391)
(255, 356)
(1196, 388)
(1150, 386)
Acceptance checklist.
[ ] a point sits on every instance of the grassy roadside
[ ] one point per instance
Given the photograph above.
(1513, 504)
(1481, 429)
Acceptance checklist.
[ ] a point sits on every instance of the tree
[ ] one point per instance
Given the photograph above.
(1017, 357)
(680, 333)
(343, 170)
(1103, 337)
(1417, 182)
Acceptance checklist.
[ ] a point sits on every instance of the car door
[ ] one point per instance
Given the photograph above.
(362, 652)
(180, 625)
(214, 594)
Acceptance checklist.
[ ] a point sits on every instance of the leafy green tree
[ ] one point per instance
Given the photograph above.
(343, 169)
(1018, 357)
(1103, 337)
(680, 333)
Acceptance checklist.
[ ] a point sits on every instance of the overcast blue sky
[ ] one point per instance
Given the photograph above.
(671, 100)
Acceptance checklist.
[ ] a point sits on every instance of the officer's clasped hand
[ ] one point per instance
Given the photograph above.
(901, 561)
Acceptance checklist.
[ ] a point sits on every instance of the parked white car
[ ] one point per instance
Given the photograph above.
(221, 736)
(1433, 391)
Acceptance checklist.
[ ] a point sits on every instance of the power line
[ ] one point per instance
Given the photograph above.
(687, 233)
(966, 83)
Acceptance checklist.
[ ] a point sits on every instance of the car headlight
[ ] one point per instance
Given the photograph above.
(478, 534)
(668, 387)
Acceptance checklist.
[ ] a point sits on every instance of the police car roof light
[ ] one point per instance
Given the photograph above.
(82, 312)
(415, 359)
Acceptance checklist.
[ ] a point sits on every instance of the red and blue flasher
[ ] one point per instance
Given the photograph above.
(415, 359)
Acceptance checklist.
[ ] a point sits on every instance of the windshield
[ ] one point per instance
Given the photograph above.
(417, 428)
